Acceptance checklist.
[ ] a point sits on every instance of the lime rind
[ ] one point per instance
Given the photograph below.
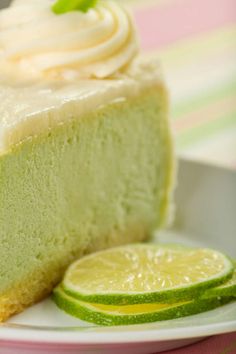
(89, 313)
(171, 295)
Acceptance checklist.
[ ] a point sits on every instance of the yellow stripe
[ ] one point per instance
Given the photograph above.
(190, 49)
(204, 115)
(143, 4)
(211, 128)
(204, 99)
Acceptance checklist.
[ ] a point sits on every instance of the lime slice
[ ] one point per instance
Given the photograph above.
(138, 274)
(109, 315)
(226, 289)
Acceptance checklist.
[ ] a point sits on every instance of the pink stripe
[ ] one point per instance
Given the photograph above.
(165, 24)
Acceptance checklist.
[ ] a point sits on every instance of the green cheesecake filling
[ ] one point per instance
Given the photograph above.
(83, 184)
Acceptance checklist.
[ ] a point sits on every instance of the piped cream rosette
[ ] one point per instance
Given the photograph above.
(95, 44)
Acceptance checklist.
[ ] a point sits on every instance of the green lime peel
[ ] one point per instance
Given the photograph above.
(64, 6)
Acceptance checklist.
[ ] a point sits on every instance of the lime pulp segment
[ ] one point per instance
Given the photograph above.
(148, 273)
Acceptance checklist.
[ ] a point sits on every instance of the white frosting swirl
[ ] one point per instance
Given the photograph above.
(96, 44)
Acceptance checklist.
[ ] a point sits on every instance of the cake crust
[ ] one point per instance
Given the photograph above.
(39, 284)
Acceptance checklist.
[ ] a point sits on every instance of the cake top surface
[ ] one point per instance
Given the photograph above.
(35, 99)
(28, 110)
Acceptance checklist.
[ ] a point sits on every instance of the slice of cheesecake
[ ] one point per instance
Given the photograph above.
(82, 167)
(86, 159)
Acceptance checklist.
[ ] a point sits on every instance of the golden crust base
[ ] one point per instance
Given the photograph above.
(39, 284)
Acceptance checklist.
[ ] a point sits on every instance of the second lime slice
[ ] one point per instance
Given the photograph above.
(110, 315)
(226, 289)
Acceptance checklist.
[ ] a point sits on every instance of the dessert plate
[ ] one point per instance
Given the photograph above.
(205, 216)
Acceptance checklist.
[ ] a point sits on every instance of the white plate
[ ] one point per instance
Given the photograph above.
(206, 204)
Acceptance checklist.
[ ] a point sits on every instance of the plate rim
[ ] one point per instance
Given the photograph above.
(86, 336)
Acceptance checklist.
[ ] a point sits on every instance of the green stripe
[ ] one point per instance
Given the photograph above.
(204, 131)
(195, 103)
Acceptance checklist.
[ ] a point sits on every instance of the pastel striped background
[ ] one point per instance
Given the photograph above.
(196, 42)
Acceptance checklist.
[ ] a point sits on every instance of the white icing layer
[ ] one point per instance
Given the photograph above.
(35, 42)
(28, 109)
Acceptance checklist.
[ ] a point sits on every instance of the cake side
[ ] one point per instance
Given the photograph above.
(102, 180)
